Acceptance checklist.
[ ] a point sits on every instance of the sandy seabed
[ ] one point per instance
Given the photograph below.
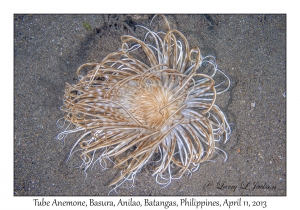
(250, 49)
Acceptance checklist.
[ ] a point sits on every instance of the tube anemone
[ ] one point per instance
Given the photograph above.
(159, 113)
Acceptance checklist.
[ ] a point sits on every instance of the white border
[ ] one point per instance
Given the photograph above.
(154, 6)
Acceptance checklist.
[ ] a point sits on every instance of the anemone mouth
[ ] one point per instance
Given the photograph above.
(150, 105)
(159, 114)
